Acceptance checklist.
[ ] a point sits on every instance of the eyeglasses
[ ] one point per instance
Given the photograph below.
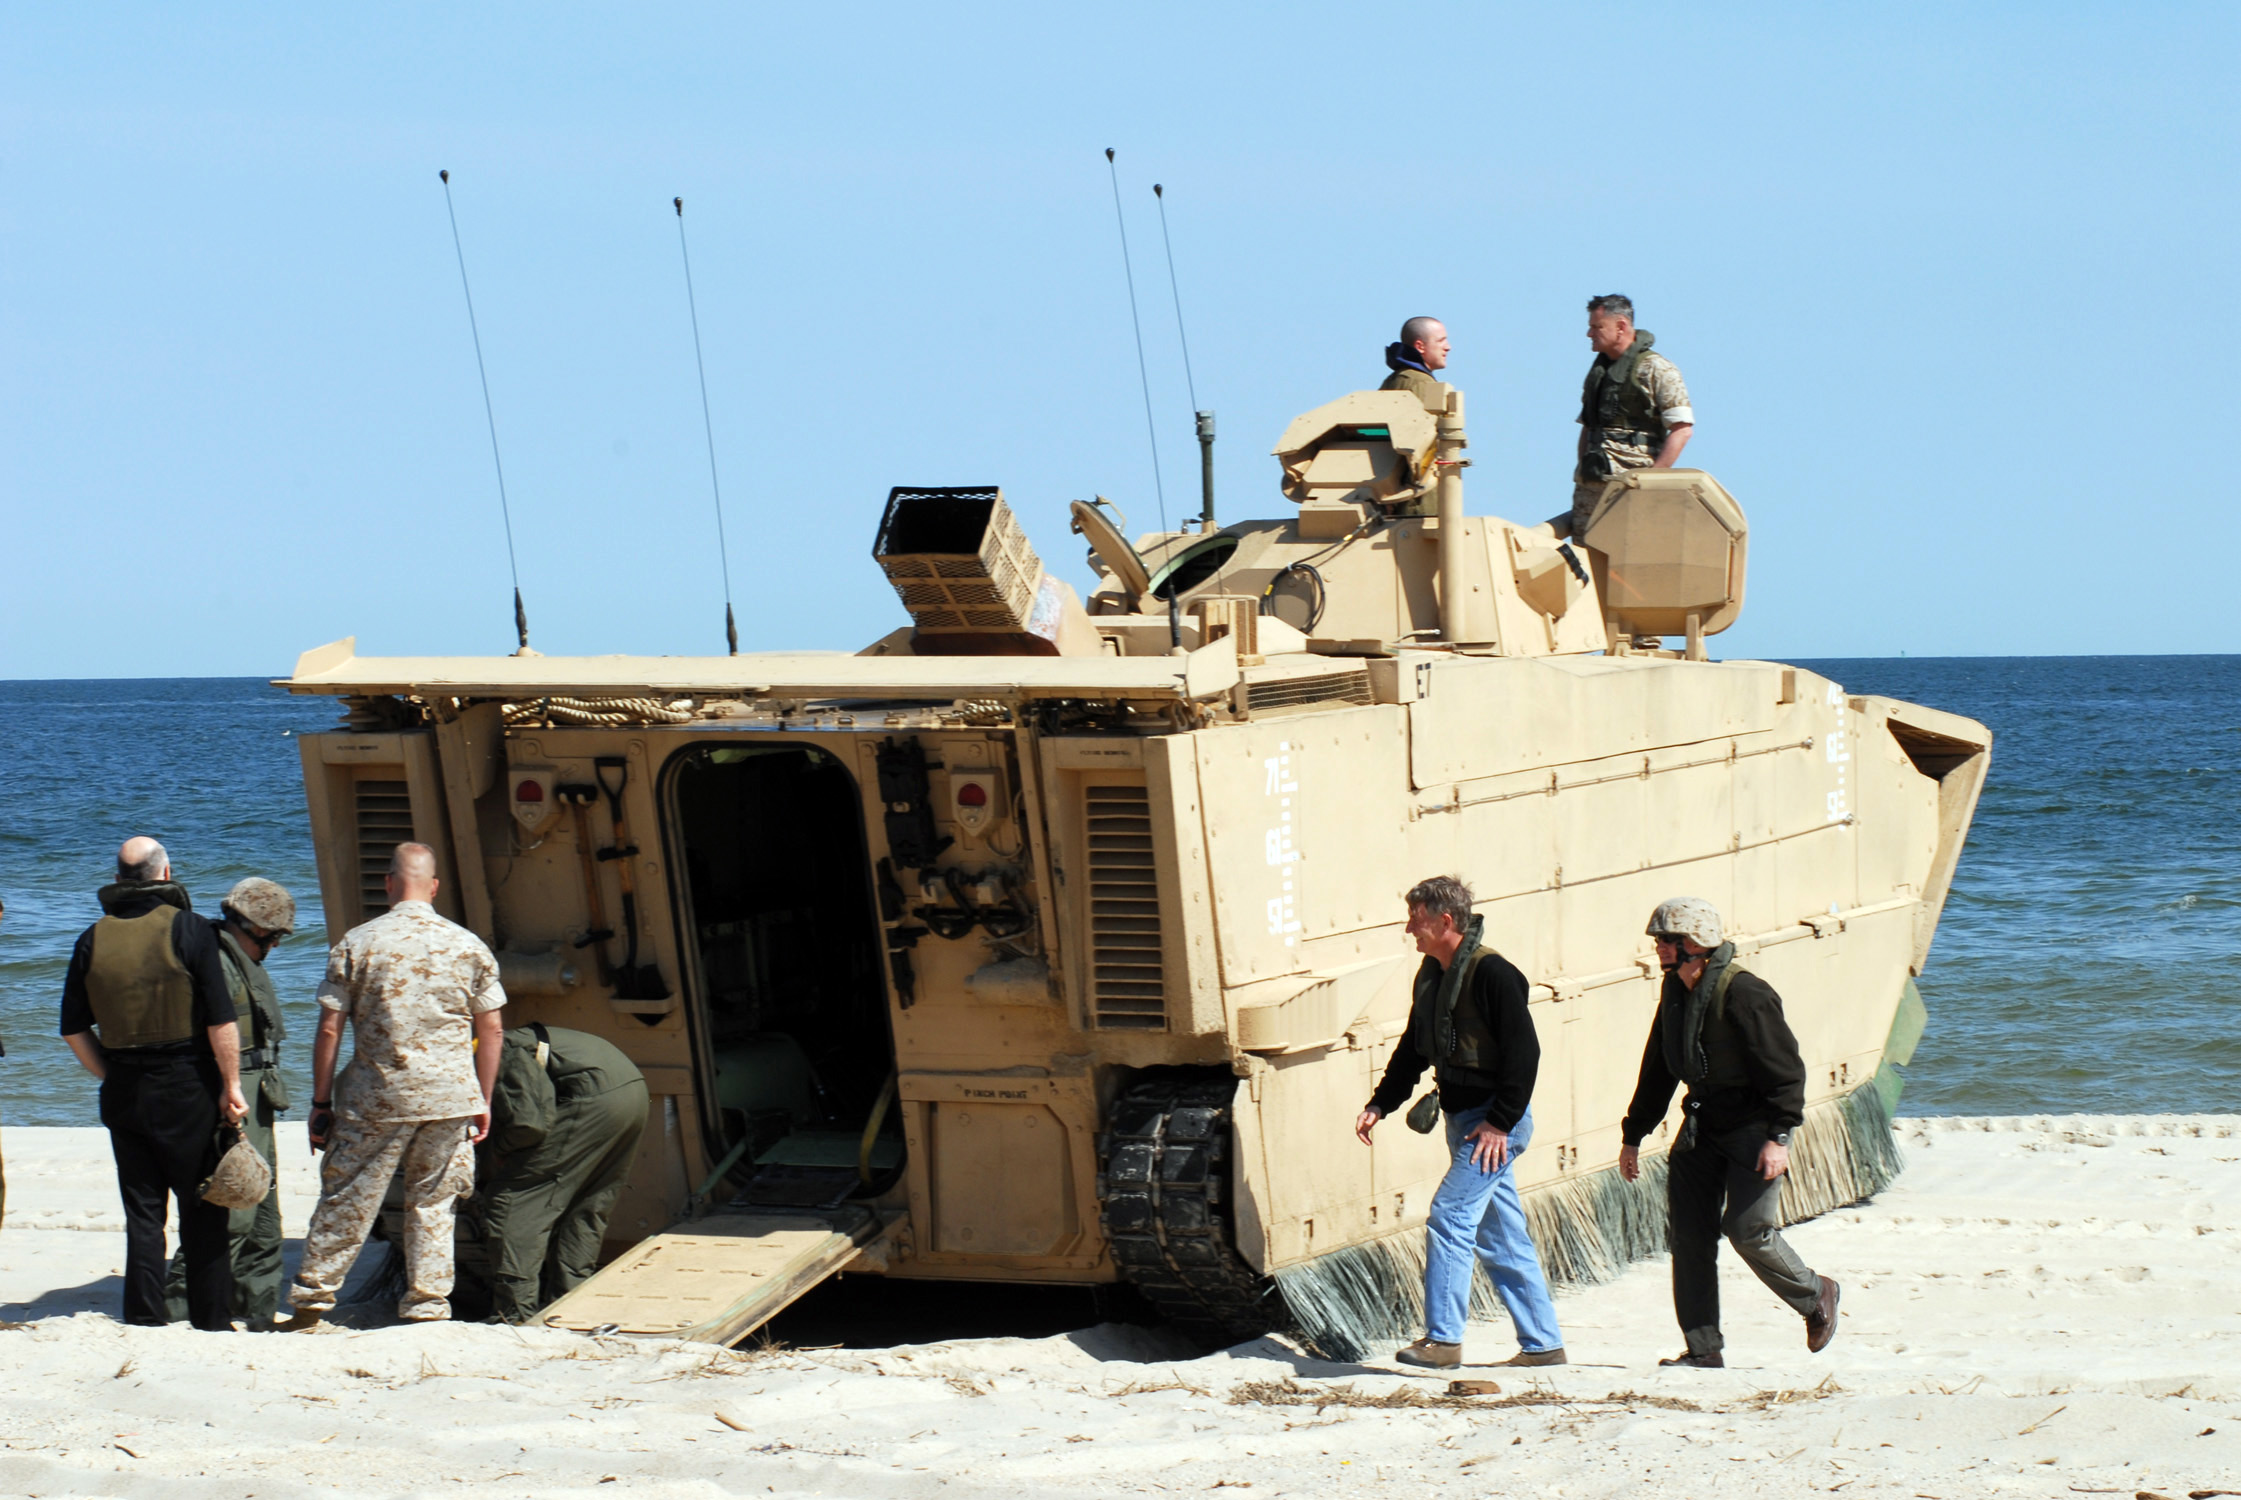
(1666, 939)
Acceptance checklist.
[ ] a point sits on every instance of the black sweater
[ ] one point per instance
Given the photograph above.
(1501, 993)
(1775, 1096)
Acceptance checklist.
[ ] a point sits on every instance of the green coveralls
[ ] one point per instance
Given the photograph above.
(253, 1235)
(546, 1203)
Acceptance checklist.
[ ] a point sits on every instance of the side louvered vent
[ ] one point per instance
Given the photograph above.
(1127, 985)
(384, 822)
(1331, 687)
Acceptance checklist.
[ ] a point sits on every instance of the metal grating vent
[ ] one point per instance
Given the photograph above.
(1331, 687)
(958, 558)
(1128, 986)
(384, 822)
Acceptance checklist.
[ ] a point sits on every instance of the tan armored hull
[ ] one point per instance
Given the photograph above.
(1072, 957)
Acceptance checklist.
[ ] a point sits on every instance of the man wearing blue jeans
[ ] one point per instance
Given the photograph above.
(1470, 1024)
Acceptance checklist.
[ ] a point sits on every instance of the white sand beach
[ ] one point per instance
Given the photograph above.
(2040, 1306)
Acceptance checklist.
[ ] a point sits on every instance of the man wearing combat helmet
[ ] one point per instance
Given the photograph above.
(1634, 407)
(254, 917)
(1719, 1030)
(421, 996)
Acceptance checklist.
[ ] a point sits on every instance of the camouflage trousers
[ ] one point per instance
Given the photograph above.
(437, 1161)
(1584, 495)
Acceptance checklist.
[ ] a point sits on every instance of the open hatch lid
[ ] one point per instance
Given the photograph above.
(716, 1280)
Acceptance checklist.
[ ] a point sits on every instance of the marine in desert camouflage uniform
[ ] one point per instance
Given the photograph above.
(1634, 406)
(422, 998)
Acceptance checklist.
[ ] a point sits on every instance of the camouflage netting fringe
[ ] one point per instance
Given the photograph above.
(1347, 1304)
(1843, 1153)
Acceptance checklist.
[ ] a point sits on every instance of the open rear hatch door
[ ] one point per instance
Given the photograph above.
(719, 1278)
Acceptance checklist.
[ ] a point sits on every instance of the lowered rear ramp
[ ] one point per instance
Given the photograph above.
(718, 1279)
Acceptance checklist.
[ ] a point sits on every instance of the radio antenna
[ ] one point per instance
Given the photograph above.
(1151, 431)
(708, 425)
(521, 617)
(1205, 417)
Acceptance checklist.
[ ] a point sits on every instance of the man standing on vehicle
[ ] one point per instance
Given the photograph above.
(422, 998)
(1634, 406)
(1469, 1023)
(148, 979)
(1719, 1029)
(565, 1120)
(1416, 358)
(255, 916)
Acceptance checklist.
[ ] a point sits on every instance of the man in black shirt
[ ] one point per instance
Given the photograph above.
(148, 977)
(1719, 1029)
(1468, 1022)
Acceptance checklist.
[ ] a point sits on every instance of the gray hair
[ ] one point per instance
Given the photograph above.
(150, 866)
(413, 862)
(1443, 895)
(1418, 328)
(1611, 305)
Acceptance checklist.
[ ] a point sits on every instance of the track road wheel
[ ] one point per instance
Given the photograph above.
(1164, 1173)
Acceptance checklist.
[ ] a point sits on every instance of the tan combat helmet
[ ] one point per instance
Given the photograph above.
(263, 904)
(1691, 917)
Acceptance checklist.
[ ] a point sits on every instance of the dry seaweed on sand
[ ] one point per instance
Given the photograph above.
(1152, 1387)
(1289, 1392)
(1788, 1396)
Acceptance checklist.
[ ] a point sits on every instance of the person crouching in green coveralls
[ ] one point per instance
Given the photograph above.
(254, 917)
(565, 1118)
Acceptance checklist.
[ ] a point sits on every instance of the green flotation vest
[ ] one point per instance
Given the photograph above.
(256, 1005)
(1614, 404)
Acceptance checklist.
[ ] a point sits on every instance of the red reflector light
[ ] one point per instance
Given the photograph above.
(972, 794)
(530, 791)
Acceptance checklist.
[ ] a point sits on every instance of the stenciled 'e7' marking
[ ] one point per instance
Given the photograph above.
(1840, 756)
(1280, 785)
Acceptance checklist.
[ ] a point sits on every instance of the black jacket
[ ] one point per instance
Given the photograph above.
(1501, 993)
(191, 938)
(1762, 1043)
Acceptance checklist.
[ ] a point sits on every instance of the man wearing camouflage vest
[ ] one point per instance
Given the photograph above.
(145, 1008)
(254, 917)
(1634, 407)
(421, 996)
(1469, 1023)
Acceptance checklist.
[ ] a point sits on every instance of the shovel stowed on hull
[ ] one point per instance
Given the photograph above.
(718, 1279)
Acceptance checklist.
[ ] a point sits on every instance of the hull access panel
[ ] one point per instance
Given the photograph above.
(718, 1279)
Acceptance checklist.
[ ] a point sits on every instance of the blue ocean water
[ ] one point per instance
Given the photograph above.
(2089, 959)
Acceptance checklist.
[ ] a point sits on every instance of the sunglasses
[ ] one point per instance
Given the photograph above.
(1666, 939)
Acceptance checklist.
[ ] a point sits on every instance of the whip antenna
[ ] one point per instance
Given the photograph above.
(521, 617)
(723, 551)
(1175, 287)
(1205, 417)
(1159, 486)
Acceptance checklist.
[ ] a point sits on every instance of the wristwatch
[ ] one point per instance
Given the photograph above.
(1782, 1140)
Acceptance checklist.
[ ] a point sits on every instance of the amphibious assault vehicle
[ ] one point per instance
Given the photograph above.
(1060, 940)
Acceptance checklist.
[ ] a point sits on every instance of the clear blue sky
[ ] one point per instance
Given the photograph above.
(1948, 284)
